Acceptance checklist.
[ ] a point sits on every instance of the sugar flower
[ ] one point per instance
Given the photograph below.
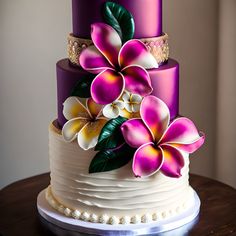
(114, 109)
(118, 67)
(131, 101)
(84, 123)
(159, 143)
(129, 115)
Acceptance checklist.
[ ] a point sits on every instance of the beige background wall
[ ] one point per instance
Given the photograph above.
(193, 31)
(226, 96)
(33, 37)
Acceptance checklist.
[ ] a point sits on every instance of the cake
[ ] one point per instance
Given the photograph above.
(119, 150)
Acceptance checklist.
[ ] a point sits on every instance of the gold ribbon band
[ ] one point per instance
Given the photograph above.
(157, 46)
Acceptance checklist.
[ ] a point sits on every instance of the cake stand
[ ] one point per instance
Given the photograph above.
(62, 225)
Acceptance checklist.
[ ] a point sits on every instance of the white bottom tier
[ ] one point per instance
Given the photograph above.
(114, 197)
(64, 226)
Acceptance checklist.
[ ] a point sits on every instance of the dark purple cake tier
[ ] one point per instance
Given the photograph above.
(147, 16)
(165, 82)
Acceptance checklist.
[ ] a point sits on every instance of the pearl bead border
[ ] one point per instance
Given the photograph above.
(112, 220)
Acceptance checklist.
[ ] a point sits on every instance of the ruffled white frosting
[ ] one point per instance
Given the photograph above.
(110, 197)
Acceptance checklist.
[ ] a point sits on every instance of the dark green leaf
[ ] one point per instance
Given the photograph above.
(111, 136)
(108, 160)
(82, 88)
(120, 19)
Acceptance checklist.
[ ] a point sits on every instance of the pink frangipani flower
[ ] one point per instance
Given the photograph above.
(118, 67)
(160, 145)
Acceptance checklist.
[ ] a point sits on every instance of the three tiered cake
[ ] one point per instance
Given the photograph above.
(119, 151)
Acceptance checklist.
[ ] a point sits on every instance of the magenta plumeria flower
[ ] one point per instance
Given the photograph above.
(160, 145)
(118, 67)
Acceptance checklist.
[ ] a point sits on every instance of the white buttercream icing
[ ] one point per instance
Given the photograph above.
(164, 214)
(67, 212)
(136, 219)
(125, 220)
(94, 218)
(85, 216)
(102, 196)
(76, 214)
(147, 218)
(103, 219)
(61, 209)
(156, 217)
(114, 220)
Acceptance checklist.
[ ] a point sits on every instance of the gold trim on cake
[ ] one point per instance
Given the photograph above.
(157, 46)
(54, 128)
(75, 46)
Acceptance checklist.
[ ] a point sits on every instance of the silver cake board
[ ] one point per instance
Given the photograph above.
(63, 225)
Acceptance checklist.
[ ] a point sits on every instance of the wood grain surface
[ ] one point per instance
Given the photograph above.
(19, 216)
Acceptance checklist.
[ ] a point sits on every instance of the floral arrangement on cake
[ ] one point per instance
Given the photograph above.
(120, 119)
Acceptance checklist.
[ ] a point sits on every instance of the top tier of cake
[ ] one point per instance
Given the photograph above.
(147, 16)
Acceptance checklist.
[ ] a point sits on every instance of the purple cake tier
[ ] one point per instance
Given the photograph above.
(147, 16)
(165, 82)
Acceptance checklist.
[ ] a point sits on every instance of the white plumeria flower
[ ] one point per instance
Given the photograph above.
(113, 110)
(132, 101)
(84, 122)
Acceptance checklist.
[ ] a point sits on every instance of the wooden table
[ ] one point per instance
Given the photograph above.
(18, 212)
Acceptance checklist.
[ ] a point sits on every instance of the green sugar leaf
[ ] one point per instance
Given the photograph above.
(120, 19)
(108, 160)
(111, 136)
(82, 88)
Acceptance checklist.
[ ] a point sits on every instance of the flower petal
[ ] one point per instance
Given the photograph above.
(94, 108)
(129, 107)
(147, 160)
(72, 127)
(128, 115)
(135, 98)
(173, 161)
(119, 104)
(88, 135)
(183, 134)
(126, 96)
(107, 41)
(135, 107)
(93, 61)
(134, 52)
(137, 80)
(155, 115)
(136, 133)
(73, 108)
(136, 102)
(191, 147)
(107, 87)
(111, 111)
